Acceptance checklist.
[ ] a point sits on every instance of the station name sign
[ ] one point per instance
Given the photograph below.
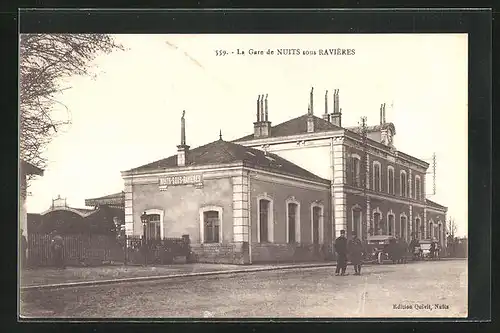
(165, 182)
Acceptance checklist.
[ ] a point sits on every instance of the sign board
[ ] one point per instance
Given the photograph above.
(165, 182)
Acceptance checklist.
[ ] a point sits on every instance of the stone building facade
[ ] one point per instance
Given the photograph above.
(375, 188)
(238, 205)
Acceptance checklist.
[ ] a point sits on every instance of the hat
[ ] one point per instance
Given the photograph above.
(342, 231)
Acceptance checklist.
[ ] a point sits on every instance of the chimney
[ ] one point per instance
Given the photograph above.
(262, 127)
(311, 103)
(383, 113)
(326, 116)
(182, 149)
(336, 116)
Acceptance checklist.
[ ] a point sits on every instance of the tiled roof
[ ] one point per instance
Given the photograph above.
(223, 152)
(30, 169)
(434, 204)
(111, 199)
(296, 126)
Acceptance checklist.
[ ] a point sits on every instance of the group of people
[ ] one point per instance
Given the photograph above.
(352, 248)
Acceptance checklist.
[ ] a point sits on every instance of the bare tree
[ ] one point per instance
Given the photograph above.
(451, 228)
(45, 60)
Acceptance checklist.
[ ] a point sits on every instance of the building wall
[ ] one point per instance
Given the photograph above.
(181, 204)
(313, 155)
(278, 249)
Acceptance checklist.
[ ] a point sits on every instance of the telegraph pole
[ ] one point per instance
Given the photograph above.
(434, 173)
(364, 166)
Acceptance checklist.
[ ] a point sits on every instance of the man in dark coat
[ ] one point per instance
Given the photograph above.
(57, 247)
(341, 249)
(24, 247)
(355, 248)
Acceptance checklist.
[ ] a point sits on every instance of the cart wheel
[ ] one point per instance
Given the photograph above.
(379, 258)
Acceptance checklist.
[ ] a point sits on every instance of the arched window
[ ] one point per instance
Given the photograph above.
(211, 224)
(317, 223)
(377, 223)
(355, 170)
(439, 232)
(377, 179)
(391, 224)
(390, 180)
(418, 228)
(265, 228)
(430, 230)
(293, 220)
(154, 226)
(356, 220)
(418, 188)
(403, 181)
(403, 231)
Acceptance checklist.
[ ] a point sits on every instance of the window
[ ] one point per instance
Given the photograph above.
(377, 183)
(356, 220)
(355, 170)
(264, 220)
(292, 221)
(390, 180)
(418, 228)
(418, 191)
(403, 182)
(317, 224)
(402, 229)
(153, 227)
(211, 224)
(430, 230)
(391, 226)
(439, 231)
(376, 227)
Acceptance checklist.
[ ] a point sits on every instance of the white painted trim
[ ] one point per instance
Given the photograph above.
(291, 138)
(270, 217)
(390, 167)
(379, 175)
(391, 213)
(297, 219)
(208, 208)
(154, 211)
(68, 209)
(383, 196)
(360, 226)
(182, 170)
(418, 195)
(401, 172)
(320, 222)
(295, 181)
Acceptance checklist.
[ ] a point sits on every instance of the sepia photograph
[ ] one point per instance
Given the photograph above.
(243, 176)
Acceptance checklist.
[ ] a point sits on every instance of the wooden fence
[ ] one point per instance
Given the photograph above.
(93, 250)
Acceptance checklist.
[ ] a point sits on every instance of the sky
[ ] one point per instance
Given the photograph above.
(129, 114)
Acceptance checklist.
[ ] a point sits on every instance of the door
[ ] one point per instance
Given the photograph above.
(315, 228)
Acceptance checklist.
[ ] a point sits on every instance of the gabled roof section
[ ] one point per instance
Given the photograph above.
(223, 152)
(115, 199)
(30, 169)
(434, 205)
(375, 128)
(296, 126)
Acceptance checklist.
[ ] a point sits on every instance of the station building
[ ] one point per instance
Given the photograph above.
(284, 192)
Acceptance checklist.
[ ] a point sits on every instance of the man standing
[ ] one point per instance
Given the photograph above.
(24, 247)
(57, 247)
(356, 253)
(341, 249)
